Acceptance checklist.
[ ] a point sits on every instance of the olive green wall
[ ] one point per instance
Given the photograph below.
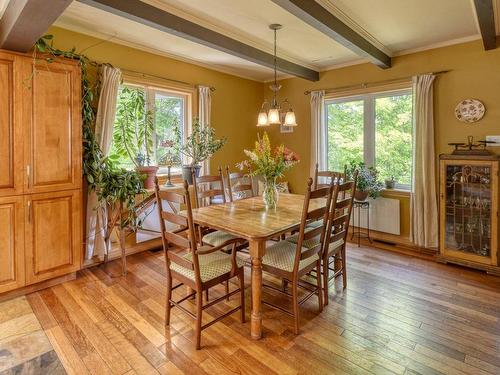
(474, 73)
(235, 102)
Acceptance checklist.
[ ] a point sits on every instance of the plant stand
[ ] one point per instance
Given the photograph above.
(356, 229)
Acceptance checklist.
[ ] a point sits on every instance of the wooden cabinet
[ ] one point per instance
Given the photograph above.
(53, 131)
(40, 170)
(53, 234)
(12, 243)
(469, 210)
(11, 153)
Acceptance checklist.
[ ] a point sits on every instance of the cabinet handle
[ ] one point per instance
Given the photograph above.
(29, 211)
(28, 173)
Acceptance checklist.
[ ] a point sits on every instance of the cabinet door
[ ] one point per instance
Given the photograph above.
(11, 152)
(53, 150)
(53, 235)
(11, 243)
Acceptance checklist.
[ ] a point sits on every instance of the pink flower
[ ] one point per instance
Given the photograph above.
(166, 143)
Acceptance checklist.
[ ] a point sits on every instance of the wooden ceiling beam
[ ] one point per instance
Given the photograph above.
(25, 21)
(486, 21)
(321, 19)
(159, 19)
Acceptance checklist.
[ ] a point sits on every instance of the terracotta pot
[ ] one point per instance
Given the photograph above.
(361, 195)
(187, 172)
(150, 173)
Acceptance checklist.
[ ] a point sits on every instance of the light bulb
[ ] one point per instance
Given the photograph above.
(290, 119)
(262, 119)
(274, 116)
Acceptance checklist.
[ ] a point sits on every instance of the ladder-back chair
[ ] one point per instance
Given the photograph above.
(291, 261)
(329, 176)
(239, 185)
(336, 234)
(199, 268)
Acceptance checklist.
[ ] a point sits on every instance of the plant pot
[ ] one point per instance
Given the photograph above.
(389, 184)
(187, 172)
(361, 195)
(150, 173)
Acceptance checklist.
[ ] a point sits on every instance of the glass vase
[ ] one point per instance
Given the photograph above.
(270, 194)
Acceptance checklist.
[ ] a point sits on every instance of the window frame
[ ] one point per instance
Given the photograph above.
(369, 125)
(181, 91)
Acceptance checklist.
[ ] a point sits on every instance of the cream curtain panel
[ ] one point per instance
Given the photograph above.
(204, 113)
(106, 111)
(424, 211)
(318, 132)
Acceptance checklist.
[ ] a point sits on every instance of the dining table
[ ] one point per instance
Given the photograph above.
(251, 220)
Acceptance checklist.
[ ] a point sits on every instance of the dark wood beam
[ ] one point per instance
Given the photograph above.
(149, 15)
(486, 21)
(321, 19)
(25, 21)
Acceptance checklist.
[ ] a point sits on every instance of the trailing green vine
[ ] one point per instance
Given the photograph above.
(111, 184)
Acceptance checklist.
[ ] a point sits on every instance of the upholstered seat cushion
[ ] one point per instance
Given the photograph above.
(315, 224)
(212, 265)
(281, 255)
(309, 243)
(217, 238)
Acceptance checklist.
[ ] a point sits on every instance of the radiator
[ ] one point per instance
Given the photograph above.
(384, 215)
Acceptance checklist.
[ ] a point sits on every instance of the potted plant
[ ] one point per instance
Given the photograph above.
(270, 165)
(390, 183)
(133, 132)
(198, 147)
(367, 184)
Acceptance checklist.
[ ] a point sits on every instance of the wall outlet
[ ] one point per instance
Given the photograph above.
(493, 138)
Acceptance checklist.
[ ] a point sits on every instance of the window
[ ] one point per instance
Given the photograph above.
(167, 111)
(372, 128)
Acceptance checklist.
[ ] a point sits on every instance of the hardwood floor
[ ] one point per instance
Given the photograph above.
(399, 315)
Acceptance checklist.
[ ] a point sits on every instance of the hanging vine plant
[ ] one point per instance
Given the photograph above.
(111, 183)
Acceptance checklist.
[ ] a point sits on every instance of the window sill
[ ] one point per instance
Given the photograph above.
(396, 192)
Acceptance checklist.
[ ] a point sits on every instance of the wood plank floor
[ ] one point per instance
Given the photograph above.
(398, 315)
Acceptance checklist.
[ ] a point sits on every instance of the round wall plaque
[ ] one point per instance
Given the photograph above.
(470, 110)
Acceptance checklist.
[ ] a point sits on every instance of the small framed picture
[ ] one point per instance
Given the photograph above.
(286, 129)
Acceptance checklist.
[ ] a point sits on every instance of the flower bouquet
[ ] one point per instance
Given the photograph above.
(270, 164)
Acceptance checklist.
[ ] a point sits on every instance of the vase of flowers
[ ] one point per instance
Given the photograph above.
(270, 164)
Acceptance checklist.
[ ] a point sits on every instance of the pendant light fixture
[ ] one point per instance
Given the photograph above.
(276, 113)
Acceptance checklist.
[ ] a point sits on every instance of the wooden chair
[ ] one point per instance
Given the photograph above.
(199, 268)
(336, 233)
(328, 175)
(239, 184)
(291, 261)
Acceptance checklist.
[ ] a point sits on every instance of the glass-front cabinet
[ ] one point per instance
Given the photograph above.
(469, 209)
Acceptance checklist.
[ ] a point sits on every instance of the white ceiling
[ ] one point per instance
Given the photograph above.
(396, 26)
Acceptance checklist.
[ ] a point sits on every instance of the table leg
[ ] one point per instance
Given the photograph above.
(257, 249)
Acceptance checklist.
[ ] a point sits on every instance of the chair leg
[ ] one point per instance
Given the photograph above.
(227, 290)
(241, 278)
(199, 304)
(206, 295)
(284, 284)
(295, 302)
(169, 297)
(344, 268)
(326, 274)
(319, 289)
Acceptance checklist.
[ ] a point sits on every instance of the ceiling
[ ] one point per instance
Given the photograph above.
(395, 26)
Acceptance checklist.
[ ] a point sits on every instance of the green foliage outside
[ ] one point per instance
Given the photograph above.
(393, 136)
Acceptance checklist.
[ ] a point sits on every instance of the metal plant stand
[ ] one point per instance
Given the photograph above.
(358, 208)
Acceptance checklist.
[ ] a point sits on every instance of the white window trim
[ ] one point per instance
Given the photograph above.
(369, 129)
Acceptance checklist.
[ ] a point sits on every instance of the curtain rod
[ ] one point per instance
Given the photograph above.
(144, 75)
(365, 85)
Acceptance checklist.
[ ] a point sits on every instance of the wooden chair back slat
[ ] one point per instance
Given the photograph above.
(170, 196)
(310, 252)
(181, 261)
(177, 240)
(204, 189)
(317, 213)
(319, 193)
(331, 176)
(173, 218)
(313, 233)
(239, 182)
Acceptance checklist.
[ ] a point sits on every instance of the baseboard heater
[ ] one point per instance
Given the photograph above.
(384, 215)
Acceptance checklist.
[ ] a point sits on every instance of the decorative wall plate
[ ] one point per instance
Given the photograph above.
(469, 110)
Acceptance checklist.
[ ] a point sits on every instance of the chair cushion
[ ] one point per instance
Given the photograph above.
(315, 224)
(217, 238)
(309, 243)
(334, 246)
(281, 255)
(212, 265)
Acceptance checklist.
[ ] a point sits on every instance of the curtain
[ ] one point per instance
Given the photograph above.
(424, 211)
(204, 112)
(105, 118)
(318, 132)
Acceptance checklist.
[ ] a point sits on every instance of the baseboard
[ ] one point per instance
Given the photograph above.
(492, 270)
(36, 287)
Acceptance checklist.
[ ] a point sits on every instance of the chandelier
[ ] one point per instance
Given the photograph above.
(276, 113)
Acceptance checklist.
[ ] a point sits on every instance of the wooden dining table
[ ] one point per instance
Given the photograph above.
(249, 219)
